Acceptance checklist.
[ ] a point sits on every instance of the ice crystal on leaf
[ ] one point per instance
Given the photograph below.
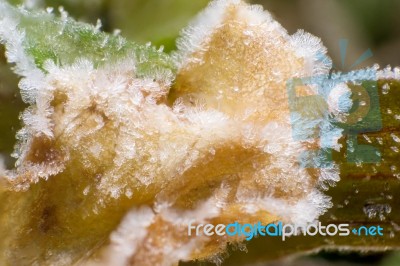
(116, 155)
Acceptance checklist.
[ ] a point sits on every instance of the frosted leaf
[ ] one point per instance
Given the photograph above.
(111, 145)
(33, 37)
(215, 56)
(109, 127)
(131, 232)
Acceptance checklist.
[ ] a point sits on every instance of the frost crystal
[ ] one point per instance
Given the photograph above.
(111, 147)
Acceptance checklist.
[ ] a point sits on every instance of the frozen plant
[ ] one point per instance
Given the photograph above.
(123, 145)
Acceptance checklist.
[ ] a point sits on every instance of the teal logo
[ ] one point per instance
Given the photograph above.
(357, 111)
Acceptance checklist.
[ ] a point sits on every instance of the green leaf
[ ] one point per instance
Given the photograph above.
(141, 21)
(63, 40)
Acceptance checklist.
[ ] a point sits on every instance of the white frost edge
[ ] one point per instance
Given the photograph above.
(127, 238)
(13, 39)
(301, 213)
(198, 32)
(389, 73)
(314, 53)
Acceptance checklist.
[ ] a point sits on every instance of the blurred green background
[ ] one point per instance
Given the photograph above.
(366, 24)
